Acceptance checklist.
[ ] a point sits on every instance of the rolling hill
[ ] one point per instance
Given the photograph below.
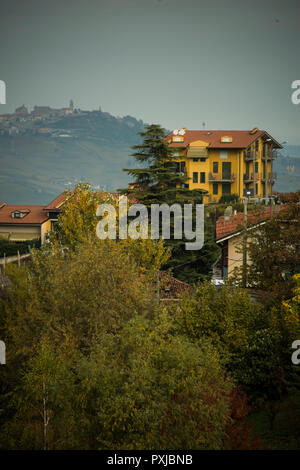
(46, 156)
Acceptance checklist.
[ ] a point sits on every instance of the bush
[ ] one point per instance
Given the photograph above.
(227, 198)
(10, 248)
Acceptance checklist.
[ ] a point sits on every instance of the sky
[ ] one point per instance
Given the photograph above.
(180, 63)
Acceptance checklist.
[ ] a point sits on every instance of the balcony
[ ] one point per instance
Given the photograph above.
(271, 177)
(221, 178)
(269, 155)
(197, 153)
(249, 178)
(250, 156)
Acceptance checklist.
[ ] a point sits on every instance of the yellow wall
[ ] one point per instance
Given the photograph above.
(235, 255)
(45, 227)
(238, 169)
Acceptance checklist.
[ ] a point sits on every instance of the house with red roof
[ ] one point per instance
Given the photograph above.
(223, 162)
(229, 233)
(19, 222)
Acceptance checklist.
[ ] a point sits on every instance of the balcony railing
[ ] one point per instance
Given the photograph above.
(271, 177)
(221, 178)
(251, 155)
(249, 177)
(269, 155)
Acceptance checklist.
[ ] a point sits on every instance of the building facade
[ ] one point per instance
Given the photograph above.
(226, 162)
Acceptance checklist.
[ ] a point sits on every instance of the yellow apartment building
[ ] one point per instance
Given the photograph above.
(226, 162)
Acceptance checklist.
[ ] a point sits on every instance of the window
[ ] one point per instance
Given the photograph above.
(195, 159)
(195, 177)
(215, 167)
(17, 215)
(180, 167)
(215, 188)
(256, 145)
(226, 188)
(256, 167)
(202, 177)
(202, 159)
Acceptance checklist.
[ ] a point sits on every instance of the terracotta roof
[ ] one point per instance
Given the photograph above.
(56, 203)
(240, 139)
(170, 287)
(224, 228)
(34, 214)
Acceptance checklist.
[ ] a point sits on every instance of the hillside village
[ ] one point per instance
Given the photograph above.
(44, 120)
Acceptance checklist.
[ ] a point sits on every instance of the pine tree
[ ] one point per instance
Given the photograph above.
(157, 181)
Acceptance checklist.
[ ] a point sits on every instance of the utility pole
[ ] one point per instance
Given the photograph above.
(254, 175)
(271, 206)
(245, 202)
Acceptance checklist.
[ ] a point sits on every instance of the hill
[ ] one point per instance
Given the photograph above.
(46, 151)
(43, 159)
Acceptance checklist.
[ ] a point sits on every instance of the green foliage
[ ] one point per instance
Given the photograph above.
(94, 362)
(242, 332)
(10, 248)
(227, 198)
(158, 181)
(157, 389)
(275, 256)
(77, 220)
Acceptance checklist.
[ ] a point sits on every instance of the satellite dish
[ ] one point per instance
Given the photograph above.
(228, 213)
(182, 132)
(176, 131)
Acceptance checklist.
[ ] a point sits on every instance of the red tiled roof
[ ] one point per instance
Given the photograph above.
(171, 287)
(240, 139)
(56, 202)
(225, 228)
(34, 214)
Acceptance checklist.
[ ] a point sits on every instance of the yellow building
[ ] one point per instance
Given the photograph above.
(226, 162)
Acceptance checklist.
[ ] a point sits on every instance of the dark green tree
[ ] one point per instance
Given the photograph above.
(158, 180)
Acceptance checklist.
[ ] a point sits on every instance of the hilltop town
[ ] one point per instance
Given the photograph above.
(44, 120)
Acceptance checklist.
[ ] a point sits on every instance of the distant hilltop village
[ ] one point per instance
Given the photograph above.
(21, 120)
(44, 120)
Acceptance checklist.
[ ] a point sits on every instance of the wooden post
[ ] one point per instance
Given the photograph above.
(19, 259)
(271, 206)
(158, 286)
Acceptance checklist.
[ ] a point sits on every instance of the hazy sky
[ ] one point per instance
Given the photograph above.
(228, 63)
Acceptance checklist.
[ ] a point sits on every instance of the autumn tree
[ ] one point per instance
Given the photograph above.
(274, 251)
(94, 362)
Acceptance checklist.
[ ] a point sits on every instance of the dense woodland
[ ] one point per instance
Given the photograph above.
(95, 360)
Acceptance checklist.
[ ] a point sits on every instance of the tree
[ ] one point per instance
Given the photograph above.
(241, 331)
(157, 181)
(156, 389)
(95, 362)
(78, 219)
(274, 250)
